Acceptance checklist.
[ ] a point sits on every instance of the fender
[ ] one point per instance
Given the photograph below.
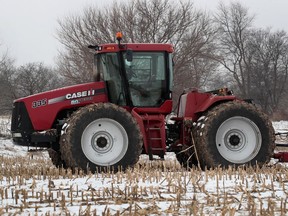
(213, 100)
(193, 103)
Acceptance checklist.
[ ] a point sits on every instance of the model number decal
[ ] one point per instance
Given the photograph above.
(39, 103)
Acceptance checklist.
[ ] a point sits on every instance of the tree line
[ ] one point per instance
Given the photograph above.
(28, 79)
(212, 50)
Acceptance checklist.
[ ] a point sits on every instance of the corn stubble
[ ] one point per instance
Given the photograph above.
(34, 186)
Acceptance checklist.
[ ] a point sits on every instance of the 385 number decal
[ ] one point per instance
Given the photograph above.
(39, 103)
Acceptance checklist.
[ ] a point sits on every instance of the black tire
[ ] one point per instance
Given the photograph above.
(55, 156)
(234, 133)
(101, 137)
(186, 157)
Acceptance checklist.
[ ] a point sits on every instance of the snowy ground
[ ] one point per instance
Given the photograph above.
(30, 184)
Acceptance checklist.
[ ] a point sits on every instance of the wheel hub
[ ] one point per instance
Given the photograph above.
(234, 140)
(102, 142)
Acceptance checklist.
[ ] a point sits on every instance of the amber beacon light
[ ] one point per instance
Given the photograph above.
(119, 36)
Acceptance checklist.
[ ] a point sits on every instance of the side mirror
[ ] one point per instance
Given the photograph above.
(129, 55)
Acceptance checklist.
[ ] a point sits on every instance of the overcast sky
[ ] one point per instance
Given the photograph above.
(28, 27)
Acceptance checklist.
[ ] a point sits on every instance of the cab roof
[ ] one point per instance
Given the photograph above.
(145, 47)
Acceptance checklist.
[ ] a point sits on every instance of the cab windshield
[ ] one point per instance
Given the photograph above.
(143, 80)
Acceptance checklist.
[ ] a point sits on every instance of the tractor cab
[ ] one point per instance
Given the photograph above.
(136, 75)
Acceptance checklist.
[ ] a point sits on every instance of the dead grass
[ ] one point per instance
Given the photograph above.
(32, 185)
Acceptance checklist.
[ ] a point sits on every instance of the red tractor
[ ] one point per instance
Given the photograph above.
(108, 123)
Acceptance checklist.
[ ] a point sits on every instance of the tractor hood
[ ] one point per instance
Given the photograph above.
(67, 93)
(44, 107)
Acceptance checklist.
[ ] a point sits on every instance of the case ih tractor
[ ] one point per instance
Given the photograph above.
(108, 123)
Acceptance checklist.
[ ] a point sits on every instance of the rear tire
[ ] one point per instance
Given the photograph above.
(234, 133)
(55, 156)
(101, 137)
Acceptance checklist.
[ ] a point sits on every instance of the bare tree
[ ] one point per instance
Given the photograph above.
(281, 113)
(7, 72)
(194, 55)
(34, 78)
(23, 81)
(234, 24)
(255, 59)
(270, 67)
(150, 21)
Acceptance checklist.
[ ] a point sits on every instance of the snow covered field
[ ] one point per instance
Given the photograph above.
(30, 184)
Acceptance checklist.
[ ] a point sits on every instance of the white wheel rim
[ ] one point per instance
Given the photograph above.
(104, 142)
(238, 140)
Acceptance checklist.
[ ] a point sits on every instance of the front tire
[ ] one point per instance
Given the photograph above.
(234, 133)
(101, 137)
